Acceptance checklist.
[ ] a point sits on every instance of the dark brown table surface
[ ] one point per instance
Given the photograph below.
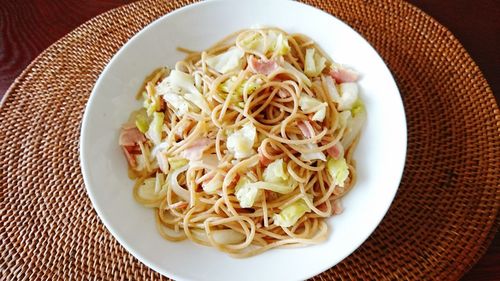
(27, 27)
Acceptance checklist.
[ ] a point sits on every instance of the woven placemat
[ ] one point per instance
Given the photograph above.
(444, 215)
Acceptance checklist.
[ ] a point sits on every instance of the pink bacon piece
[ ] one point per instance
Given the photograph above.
(130, 157)
(130, 136)
(283, 93)
(337, 207)
(195, 150)
(342, 75)
(335, 151)
(128, 140)
(262, 66)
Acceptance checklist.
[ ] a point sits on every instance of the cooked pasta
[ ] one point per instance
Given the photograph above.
(246, 146)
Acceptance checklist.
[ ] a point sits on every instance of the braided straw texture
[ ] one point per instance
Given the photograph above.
(444, 215)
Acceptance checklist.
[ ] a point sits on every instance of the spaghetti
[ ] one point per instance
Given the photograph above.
(246, 146)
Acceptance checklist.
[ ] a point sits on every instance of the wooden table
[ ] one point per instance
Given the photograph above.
(27, 27)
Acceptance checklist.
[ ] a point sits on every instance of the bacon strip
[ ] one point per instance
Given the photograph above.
(337, 207)
(333, 152)
(283, 94)
(130, 136)
(262, 66)
(342, 75)
(128, 140)
(195, 150)
(130, 157)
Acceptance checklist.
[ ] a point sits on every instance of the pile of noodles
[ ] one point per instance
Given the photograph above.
(192, 147)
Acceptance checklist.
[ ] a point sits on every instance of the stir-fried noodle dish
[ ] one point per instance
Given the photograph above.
(248, 145)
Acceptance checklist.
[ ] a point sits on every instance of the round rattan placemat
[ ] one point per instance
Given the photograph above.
(444, 215)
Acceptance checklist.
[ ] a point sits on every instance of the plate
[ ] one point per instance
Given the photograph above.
(380, 155)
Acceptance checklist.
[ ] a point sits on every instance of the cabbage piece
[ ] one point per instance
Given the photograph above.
(179, 91)
(228, 61)
(155, 128)
(309, 104)
(352, 121)
(250, 86)
(186, 82)
(254, 42)
(147, 188)
(358, 107)
(314, 63)
(319, 115)
(152, 104)
(214, 184)
(167, 85)
(153, 188)
(246, 193)
(309, 65)
(158, 148)
(338, 170)
(282, 187)
(240, 143)
(274, 41)
(281, 46)
(348, 95)
(332, 89)
(181, 105)
(176, 163)
(291, 214)
(198, 100)
(237, 96)
(159, 182)
(182, 80)
(141, 163)
(354, 126)
(310, 156)
(142, 121)
(226, 85)
(270, 37)
(276, 172)
(227, 236)
(344, 118)
(299, 74)
(220, 236)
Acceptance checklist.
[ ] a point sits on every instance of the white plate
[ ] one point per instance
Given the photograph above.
(380, 155)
